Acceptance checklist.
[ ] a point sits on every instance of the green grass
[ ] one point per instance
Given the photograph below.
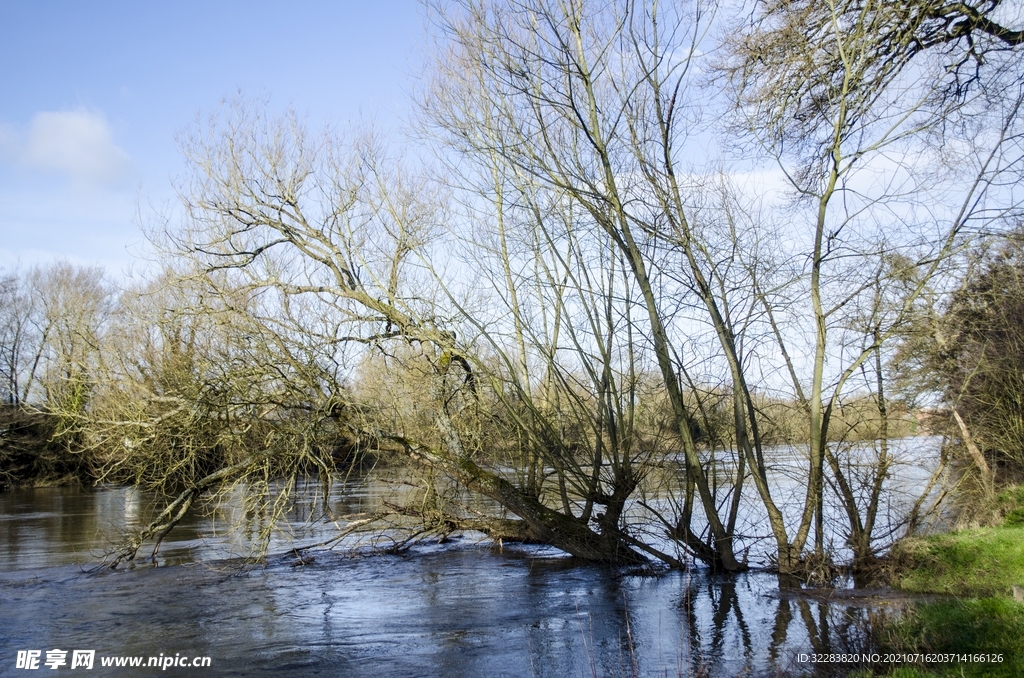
(982, 562)
(1010, 504)
(984, 626)
(979, 567)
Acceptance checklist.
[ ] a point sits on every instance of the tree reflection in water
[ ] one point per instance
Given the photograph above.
(457, 609)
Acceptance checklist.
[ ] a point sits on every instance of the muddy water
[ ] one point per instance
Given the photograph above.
(464, 608)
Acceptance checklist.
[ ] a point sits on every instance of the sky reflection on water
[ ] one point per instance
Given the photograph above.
(442, 611)
(459, 609)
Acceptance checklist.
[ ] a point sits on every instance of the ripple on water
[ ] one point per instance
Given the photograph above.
(459, 609)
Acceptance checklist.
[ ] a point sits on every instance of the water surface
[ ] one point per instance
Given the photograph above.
(463, 608)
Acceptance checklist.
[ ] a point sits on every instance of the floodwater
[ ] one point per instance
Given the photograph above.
(462, 608)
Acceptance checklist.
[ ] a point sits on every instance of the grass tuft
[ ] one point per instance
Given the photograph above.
(981, 562)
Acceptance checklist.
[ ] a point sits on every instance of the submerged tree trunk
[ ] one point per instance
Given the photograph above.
(544, 524)
(173, 514)
(540, 523)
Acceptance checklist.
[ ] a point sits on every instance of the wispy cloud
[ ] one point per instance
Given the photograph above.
(77, 144)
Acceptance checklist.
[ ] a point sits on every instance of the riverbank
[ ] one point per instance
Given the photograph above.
(981, 623)
(31, 457)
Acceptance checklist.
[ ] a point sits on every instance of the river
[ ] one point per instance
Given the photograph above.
(462, 608)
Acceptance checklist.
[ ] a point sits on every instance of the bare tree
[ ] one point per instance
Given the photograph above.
(51, 323)
(591, 106)
(14, 311)
(52, 319)
(588, 105)
(294, 262)
(847, 98)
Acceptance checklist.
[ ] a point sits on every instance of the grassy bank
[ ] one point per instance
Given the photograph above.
(976, 563)
(987, 629)
(977, 568)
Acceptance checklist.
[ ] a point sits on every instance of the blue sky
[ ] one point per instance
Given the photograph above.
(93, 94)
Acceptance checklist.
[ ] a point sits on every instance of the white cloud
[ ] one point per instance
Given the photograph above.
(78, 144)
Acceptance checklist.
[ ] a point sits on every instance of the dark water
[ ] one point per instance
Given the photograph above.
(464, 608)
